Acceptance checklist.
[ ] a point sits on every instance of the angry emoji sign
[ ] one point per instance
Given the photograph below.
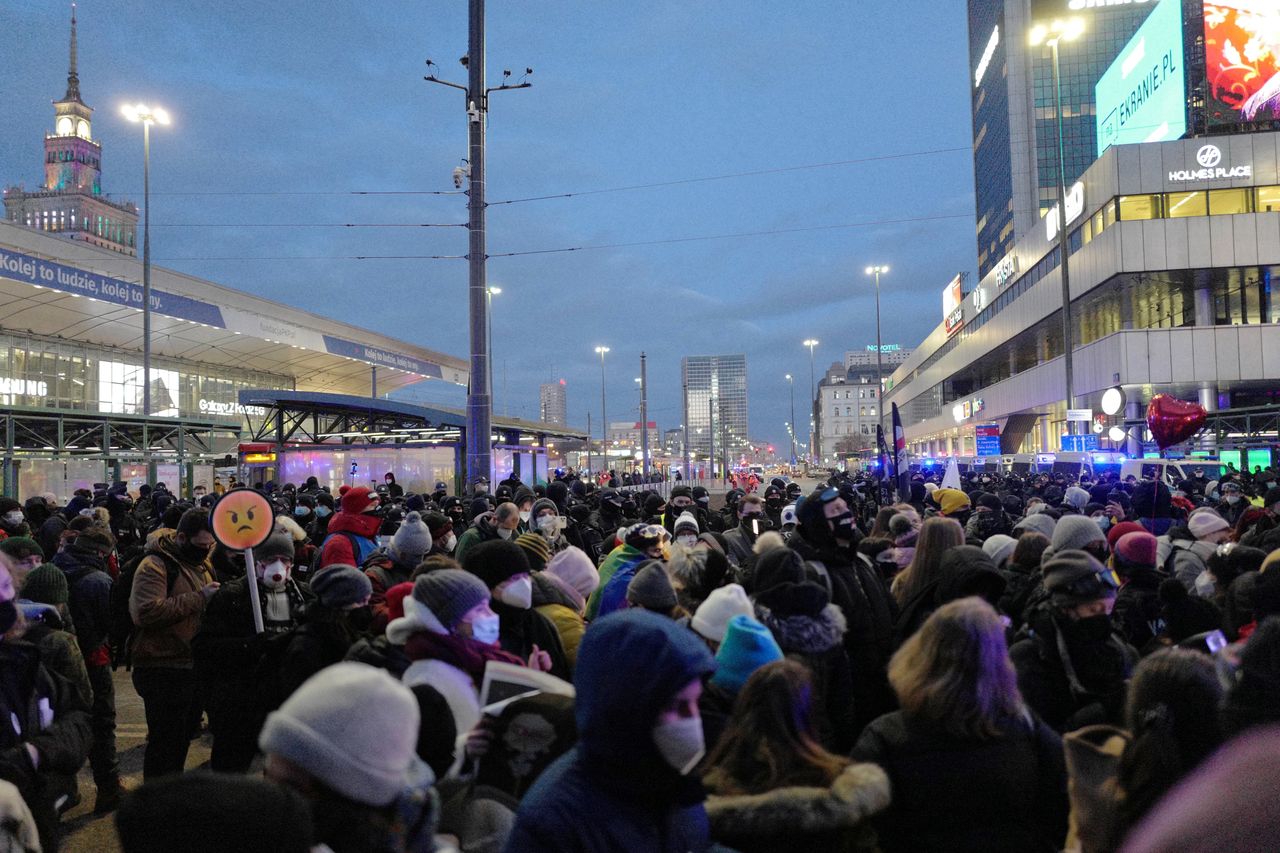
(242, 519)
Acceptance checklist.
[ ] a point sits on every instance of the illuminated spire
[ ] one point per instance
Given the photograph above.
(73, 79)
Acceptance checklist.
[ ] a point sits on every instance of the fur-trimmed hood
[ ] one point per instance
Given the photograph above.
(857, 794)
(805, 634)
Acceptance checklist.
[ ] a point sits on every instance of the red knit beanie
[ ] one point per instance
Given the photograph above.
(1137, 549)
(395, 599)
(1124, 527)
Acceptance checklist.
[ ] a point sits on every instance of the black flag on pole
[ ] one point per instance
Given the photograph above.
(900, 469)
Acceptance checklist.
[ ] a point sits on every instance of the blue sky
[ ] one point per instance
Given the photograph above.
(274, 103)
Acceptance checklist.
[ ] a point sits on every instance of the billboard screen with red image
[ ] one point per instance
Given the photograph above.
(1242, 61)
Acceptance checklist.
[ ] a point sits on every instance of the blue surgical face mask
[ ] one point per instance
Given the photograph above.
(299, 511)
(1103, 522)
(323, 511)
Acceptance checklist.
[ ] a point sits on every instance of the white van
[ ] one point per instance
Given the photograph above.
(1170, 471)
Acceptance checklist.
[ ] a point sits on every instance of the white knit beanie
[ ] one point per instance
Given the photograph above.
(351, 726)
(712, 617)
(574, 567)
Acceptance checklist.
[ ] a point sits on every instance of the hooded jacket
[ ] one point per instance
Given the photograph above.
(88, 598)
(966, 570)
(613, 791)
(835, 819)
(622, 558)
(167, 619)
(552, 599)
(336, 549)
(481, 530)
(1183, 556)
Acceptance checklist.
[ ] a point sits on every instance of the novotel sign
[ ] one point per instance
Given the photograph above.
(1006, 269)
(1211, 167)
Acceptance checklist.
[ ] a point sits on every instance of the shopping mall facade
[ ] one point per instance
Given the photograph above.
(1172, 250)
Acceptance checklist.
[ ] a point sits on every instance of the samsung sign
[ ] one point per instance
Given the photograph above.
(1211, 167)
(1142, 97)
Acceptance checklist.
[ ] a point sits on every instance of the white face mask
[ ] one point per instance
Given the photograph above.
(524, 516)
(484, 629)
(518, 594)
(13, 519)
(680, 743)
(548, 525)
(274, 575)
(687, 539)
(451, 543)
(1233, 499)
(505, 533)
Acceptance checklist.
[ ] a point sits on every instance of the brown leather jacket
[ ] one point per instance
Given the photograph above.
(166, 619)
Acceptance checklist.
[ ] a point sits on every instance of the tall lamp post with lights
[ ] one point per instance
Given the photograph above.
(811, 343)
(877, 271)
(146, 116)
(604, 421)
(1068, 29)
(791, 384)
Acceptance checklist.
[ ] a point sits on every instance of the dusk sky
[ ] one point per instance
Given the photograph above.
(282, 109)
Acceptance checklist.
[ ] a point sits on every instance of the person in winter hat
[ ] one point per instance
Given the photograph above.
(628, 783)
(1036, 522)
(1075, 499)
(687, 530)
(642, 542)
(352, 532)
(443, 537)
(810, 628)
(999, 548)
(1187, 557)
(328, 627)
(395, 563)
(905, 530)
(1136, 616)
(988, 519)
(524, 632)
(1078, 533)
(748, 645)
(952, 503)
(536, 550)
(228, 650)
(1153, 506)
(449, 632)
(1071, 666)
(560, 593)
(651, 589)
(712, 617)
(346, 741)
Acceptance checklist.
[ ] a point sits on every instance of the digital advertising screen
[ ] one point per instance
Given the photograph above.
(1142, 96)
(1242, 61)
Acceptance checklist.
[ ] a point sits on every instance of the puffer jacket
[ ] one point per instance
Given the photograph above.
(1183, 558)
(167, 620)
(835, 819)
(553, 600)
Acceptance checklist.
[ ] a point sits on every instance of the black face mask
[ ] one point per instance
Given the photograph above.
(360, 619)
(842, 525)
(757, 518)
(1091, 629)
(8, 615)
(193, 553)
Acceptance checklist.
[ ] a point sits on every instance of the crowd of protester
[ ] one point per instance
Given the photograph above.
(1030, 662)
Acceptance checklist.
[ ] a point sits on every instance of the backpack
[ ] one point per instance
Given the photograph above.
(361, 549)
(121, 629)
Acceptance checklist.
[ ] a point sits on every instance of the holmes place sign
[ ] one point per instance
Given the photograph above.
(1211, 169)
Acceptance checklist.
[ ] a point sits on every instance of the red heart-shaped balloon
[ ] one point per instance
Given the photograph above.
(1173, 421)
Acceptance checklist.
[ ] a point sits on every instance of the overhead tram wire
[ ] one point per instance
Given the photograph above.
(659, 242)
(627, 188)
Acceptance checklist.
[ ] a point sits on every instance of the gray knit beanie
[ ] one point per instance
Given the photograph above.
(1074, 532)
(340, 586)
(449, 594)
(279, 545)
(1037, 522)
(351, 726)
(651, 588)
(412, 540)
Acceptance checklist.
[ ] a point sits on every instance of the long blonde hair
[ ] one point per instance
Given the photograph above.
(955, 672)
(937, 534)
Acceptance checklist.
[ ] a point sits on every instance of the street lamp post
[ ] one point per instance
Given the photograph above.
(1059, 30)
(604, 420)
(813, 456)
(792, 385)
(876, 271)
(147, 116)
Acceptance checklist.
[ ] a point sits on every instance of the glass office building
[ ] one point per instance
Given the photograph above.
(715, 385)
(1014, 124)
